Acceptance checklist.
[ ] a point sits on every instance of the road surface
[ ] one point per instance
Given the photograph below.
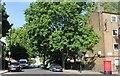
(42, 72)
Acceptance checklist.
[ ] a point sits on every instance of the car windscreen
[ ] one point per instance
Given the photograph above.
(22, 62)
(57, 66)
(14, 63)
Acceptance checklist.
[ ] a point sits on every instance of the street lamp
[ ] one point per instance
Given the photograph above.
(99, 53)
(9, 53)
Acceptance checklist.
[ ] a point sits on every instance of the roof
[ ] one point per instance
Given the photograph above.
(112, 13)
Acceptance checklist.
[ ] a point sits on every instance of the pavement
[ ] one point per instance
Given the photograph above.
(84, 72)
(78, 72)
(90, 72)
(3, 71)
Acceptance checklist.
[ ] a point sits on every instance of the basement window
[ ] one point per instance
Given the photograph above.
(116, 46)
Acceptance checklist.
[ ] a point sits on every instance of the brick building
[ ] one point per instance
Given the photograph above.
(107, 26)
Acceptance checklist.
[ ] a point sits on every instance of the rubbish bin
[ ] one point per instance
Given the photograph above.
(107, 67)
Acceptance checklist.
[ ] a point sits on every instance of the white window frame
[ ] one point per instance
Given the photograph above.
(117, 32)
(118, 20)
(114, 47)
(112, 17)
(117, 61)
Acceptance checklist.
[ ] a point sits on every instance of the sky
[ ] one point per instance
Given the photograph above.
(15, 10)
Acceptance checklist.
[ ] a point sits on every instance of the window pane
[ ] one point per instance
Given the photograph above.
(113, 19)
(115, 32)
(116, 47)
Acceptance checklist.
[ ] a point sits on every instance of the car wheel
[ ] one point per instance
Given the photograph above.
(50, 69)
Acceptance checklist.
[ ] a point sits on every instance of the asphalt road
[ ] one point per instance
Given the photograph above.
(35, 71)
(42, 72)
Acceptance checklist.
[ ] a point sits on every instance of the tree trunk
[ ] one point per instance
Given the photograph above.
(44, 58)
(63, 61)
(74, 59)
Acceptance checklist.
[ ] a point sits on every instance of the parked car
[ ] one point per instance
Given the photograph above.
(31, 65)
(14, 66)
(23, 63)
(56, 68)
(36, 65)
(43, 66)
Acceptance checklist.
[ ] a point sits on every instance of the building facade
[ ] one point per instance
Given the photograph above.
(107, 26)
(0, 39)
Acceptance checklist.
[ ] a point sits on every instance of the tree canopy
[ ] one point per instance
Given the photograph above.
(111, 7)
(5, 23)
(60, 26)
(56, 27)
(17, 43)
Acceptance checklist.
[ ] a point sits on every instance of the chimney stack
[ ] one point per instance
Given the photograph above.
(100, 9)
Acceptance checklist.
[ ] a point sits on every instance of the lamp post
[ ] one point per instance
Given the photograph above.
(9, 53)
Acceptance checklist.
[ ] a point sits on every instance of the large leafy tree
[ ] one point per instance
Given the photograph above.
(5, 23)
(111, 7)
(18, 43)
(82, 39)
(60, 26)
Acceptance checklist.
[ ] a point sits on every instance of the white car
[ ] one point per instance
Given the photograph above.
(31, 66)
(23, 63)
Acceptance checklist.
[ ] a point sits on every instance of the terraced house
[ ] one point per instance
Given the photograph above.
(107, 25)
